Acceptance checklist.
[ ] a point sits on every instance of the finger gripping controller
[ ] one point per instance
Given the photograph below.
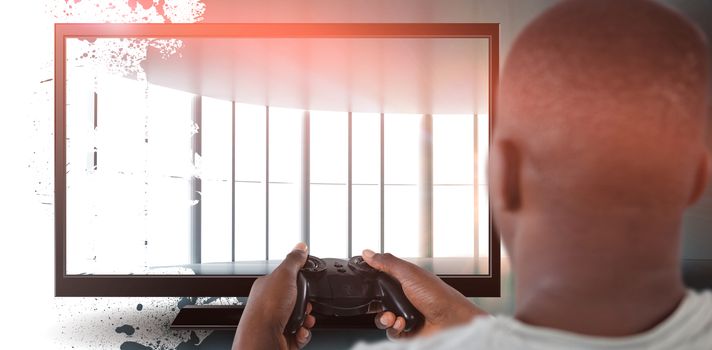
(337, 287)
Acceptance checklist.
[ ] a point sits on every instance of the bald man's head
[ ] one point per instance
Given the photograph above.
(606, 102)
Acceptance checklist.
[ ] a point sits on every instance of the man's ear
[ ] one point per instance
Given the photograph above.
(702, 175)
(505, 175)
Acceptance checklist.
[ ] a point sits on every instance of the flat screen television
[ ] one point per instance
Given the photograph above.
(190, 158)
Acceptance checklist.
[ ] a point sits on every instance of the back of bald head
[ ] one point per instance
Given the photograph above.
(607, 100)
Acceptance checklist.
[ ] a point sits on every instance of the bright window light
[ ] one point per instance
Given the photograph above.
(366, 178)
(454, 194)
(402, 135)
(250, 187)
(169, 167)
(216, 173)
(328, 223)
(285, 174)
(130, 178)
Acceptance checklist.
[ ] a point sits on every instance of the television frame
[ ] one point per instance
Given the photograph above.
(238, 285)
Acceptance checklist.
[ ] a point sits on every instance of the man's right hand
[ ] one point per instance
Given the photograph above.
(442, 305)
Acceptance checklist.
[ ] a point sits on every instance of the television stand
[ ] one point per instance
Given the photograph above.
(226, 317)
(208, 317)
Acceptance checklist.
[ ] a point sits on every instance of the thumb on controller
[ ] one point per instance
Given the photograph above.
(401, 270)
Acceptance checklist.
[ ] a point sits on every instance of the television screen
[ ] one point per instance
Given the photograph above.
(192, 155)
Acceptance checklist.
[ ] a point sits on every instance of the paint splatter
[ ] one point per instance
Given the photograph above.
(182, 10)
(186, 301)
(124, 55)
(126, 329)
(130, 345)
(150, 11)
(216, 340)
(191, 343)
(109, 321)
(210, 300)
(113, 55)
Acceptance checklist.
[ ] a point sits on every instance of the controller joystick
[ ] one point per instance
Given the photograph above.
(337, 287)
(314, 265)
(358, 264)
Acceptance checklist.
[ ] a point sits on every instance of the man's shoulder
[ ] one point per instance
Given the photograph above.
(476, 334)
(701, 295)
(694, 313)
(689, 327)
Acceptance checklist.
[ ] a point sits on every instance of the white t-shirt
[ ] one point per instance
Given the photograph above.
(689, 327)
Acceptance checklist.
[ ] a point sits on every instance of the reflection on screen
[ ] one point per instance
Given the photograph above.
(164, 180)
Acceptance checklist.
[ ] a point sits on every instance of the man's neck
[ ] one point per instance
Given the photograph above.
(595, 286)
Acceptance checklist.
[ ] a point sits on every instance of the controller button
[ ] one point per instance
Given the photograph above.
(341, 270)
(338, 265)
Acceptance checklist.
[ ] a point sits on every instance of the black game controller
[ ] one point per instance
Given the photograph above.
(337, 287)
